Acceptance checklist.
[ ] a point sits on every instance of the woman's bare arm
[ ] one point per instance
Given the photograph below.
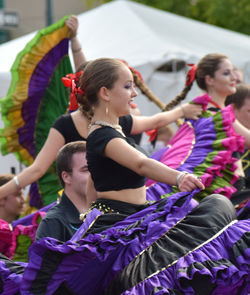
(143, 123)
(76, 47)
(38, 168)
(124, 154)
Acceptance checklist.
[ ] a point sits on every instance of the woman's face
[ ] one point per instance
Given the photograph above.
(224, 81)
(123, 92)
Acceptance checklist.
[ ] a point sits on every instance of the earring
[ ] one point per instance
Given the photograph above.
(107, 111)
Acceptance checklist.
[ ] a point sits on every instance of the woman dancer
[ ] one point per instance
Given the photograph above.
(74, 127)
(215, 75)
(173, 246)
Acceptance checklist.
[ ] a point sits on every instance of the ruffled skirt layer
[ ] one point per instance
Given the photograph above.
(173, 246)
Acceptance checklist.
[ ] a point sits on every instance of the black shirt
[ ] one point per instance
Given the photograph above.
(107, 174)
(60, 222)
(65, 125)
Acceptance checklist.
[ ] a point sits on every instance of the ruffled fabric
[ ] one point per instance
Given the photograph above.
(204, 147)
(220, 266)
(34, 100)
(163, 249)
(142, 254)
(6, 238)
(16, 239)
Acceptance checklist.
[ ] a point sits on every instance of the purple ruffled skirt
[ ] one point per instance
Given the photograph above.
(173, 246)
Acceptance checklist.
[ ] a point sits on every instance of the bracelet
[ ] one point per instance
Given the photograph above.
(17, 182)
(77, 50)
(179, 176)
(184, 113)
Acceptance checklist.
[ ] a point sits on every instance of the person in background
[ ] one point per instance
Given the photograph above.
(240, 101)
(216, 76)
(62, 220)
(13, 205)
(239, 75)
(158, 139)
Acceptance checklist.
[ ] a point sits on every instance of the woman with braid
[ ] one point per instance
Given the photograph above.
(218, 130)
(74, 127)
(129, 246)
(215, 75)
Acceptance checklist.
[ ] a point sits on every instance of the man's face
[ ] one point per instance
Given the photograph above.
(80, 173)
(243, 114)
(14, 205)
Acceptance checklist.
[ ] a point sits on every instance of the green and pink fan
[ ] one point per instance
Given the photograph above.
(36, 97)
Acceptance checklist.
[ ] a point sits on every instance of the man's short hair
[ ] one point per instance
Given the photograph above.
(4, 178)
(238, 98)
(64, 157)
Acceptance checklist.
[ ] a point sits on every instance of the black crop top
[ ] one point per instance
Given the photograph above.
(107, 174)
(65, 125)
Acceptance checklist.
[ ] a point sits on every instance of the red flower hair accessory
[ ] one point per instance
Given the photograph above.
(133, 70)
(69, 81)
(152, 134)
(191, 74)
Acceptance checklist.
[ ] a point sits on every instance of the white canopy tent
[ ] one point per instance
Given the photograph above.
(146, 38)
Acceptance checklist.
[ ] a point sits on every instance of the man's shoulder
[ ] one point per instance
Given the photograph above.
(54, 212)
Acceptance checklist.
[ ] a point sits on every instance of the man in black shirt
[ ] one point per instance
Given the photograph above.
(62, 221)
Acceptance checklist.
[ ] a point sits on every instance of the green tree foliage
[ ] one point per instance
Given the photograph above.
(228, 14)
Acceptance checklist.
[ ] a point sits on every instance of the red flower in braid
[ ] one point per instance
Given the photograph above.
(191, 74)
(70, 81)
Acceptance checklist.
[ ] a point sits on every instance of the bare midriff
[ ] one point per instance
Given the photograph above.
(134, 196)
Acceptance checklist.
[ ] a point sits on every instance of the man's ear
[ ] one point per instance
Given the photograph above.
(66, 177)
(104, 93)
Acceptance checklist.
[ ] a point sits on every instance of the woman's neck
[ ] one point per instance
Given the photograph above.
(218, 100)
(113, 120)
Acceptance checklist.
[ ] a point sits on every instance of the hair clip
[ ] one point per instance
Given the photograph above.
(191, 74)
(152, 134)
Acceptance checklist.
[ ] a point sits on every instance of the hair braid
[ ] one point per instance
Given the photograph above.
(146, 91)
(178, 98)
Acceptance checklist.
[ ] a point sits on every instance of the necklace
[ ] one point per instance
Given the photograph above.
(102, 123)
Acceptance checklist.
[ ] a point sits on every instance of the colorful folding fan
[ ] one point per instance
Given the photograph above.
(36, 97)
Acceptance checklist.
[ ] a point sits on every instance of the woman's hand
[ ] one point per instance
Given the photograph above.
(72, 23)
(191, 111)
(188, 182)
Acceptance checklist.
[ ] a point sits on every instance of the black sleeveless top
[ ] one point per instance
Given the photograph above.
(107, 174)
